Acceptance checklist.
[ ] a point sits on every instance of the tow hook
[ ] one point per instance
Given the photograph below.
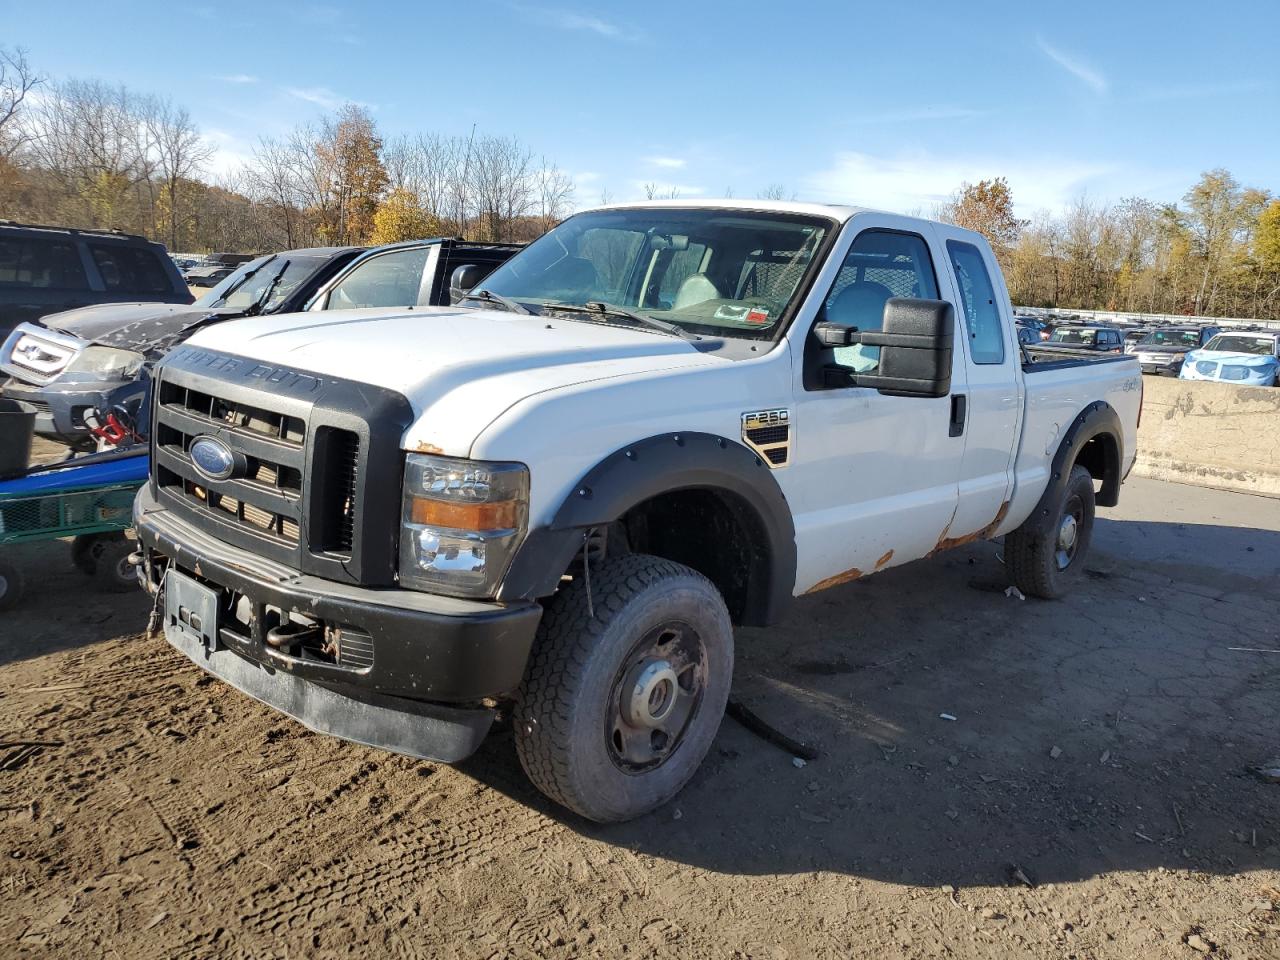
(289, 633)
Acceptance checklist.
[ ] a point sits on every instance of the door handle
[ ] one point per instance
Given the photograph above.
(959, 407)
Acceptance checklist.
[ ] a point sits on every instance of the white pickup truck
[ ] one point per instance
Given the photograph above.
(556, 498)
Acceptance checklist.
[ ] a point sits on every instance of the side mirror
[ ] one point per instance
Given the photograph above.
(463, 279)
(915, 347)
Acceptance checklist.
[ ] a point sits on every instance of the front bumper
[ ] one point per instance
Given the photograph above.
(1169, 366)
(426, 668)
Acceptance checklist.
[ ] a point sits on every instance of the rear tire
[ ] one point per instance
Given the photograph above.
(617, 711)
(1044, 560)
(12, 585)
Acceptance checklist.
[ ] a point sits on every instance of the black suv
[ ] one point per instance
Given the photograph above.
(48, 269)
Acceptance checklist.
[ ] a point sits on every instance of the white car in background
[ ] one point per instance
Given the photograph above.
(1246, 357)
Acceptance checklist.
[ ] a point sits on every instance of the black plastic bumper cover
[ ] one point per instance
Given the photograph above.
(434, 658)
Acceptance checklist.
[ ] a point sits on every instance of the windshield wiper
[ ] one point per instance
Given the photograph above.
(260, 304)
(497, 299)
(603, 309)
(240, 283)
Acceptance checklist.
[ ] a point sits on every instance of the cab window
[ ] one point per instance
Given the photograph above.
(880, 265)
(978, 295)
(388, 280)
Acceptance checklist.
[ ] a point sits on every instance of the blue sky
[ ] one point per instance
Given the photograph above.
(884, 104)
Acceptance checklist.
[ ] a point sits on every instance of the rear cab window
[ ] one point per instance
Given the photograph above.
(978, 298)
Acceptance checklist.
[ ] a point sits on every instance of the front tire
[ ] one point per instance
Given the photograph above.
(617, 711)
(1043, 562)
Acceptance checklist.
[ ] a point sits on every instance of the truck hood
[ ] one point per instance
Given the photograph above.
(144, 327)
(1168, 348)
(459, 368)
(1230, 356)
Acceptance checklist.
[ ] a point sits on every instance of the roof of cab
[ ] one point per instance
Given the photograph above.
(836, 212)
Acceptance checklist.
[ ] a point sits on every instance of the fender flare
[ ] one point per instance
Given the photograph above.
(1098, 419)
(648, 468)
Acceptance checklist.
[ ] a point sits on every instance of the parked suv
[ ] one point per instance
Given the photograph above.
(48, 269)
(66, 366)
(1162, 350)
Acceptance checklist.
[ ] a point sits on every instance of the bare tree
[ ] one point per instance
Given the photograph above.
(17, 79)
(180, 155)
(775, 191)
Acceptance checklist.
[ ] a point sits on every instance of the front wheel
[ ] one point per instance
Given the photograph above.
(1042, 561)
(617, 710)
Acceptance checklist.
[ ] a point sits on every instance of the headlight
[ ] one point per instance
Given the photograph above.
(107, 361)
(41, 356)
(461, 521)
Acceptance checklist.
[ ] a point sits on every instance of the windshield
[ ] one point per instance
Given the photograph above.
(245, 293)
(1235, 343)
(1171, 338)
(1086, 337)
(719, 272)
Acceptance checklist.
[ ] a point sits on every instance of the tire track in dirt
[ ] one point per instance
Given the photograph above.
(405, 859)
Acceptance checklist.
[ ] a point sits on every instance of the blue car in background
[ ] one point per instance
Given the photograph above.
(1247, 357)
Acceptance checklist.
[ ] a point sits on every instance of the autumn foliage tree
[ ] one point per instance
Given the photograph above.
(401, 216)
(987, 208)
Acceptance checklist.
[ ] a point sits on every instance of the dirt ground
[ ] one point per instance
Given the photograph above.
(1086, 794)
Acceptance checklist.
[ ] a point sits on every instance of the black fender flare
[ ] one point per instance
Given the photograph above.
(648, 468)
(1098, 419)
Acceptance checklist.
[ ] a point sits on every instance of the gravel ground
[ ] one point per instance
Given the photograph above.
(1091, 797)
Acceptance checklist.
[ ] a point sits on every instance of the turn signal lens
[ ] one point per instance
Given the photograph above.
(502, 515)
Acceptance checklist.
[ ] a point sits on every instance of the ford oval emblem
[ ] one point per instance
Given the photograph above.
(213, 458)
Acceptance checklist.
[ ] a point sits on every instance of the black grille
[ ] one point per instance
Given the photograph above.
(266, 497)
(318, 462)
(335, 489)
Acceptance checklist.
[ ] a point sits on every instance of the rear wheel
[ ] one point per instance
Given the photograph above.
(618, 710)
(1044, 560)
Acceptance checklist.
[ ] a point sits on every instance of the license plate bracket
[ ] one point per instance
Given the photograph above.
(191, 609)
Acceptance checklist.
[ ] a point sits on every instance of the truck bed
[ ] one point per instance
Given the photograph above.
(1058, 387)
(1036, 359)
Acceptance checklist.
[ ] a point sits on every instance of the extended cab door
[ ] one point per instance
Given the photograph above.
(992, 402)
(874, 478)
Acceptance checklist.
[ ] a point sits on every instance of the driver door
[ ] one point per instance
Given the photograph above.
(874, 480)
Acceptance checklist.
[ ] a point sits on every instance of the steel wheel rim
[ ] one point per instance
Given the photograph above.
(655, 697)
(1070, 526)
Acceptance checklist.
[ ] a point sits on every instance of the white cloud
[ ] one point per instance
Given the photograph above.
(231, 152)
(918, 181)
(667, 163)
(1089, 76)
(580, 22)
(236, 78)
(322, 97)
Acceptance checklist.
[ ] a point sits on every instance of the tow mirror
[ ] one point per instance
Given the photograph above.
(915, 342)
(463, 279)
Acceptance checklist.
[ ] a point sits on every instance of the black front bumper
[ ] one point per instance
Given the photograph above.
(425, 660)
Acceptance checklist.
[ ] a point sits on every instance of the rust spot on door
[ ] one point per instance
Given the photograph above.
(835, 581)
(885, 559)
(950, 543)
